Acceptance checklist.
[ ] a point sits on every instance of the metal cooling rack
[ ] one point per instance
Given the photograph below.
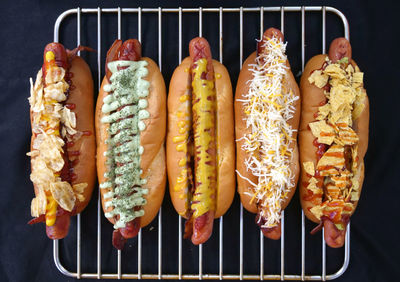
(142, 12)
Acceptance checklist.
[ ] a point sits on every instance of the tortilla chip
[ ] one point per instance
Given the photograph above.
(319, 79)
(309, 168)
(317, 211)
(323, 131)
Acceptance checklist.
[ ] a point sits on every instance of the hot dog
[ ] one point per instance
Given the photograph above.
(63, 142)
(130, 129)
(200, 141)
(333, 139)
(267, 114)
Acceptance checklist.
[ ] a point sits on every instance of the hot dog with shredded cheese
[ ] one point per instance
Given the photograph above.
(200, 141)
(333, 139)
(267, 113)
(63, 143)
(130, 130)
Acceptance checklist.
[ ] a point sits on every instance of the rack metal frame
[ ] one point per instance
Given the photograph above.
(200, 275)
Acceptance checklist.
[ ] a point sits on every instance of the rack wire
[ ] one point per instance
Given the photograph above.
(79, 12)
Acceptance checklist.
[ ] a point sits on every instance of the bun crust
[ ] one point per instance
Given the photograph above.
(152, 139)
(179, 86)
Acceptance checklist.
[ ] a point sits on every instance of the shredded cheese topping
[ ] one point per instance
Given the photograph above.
(269, 105)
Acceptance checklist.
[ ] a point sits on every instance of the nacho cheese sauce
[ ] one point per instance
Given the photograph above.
(124, 110)
(268, 106)
(52, 123)
(205, 173)
(337, 168)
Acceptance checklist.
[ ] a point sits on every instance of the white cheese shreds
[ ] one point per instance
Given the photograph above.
(269, 105)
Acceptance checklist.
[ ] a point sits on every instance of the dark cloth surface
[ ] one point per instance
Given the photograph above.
(26, 254)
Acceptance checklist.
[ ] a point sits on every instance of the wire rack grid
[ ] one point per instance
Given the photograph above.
(141, 12)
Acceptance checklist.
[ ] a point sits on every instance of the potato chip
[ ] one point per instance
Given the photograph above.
(41, 175)
(54, 74)
(51, 152)
(36, 98)
(56, 91)
(68, 118)
(79, 189)
(63, 194)
(38, 204)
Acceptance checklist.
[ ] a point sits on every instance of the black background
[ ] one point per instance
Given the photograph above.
(25, 251)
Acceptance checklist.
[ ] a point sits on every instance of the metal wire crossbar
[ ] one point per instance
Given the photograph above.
(141, 12)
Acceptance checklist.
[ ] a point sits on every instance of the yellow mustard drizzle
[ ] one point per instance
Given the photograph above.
(205, 173)
(50, 56)
(51, 206)
(51, 210)
(184, 125)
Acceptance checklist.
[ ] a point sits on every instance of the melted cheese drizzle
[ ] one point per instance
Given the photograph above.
(268, 106)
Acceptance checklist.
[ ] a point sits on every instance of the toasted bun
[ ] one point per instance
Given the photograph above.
(244, 188)
(312, 96)
(82, 97)
(179, 86)
(152, 139)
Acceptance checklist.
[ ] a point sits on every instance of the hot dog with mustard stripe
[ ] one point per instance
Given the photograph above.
(267, 114)
(200, 141)
(130, 130)
(63, 142)
(333, 139)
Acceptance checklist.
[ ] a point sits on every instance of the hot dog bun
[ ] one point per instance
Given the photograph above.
(73, 126)
(180, 86)
(152, 139)
(245, 175)
(82, 97)
(313, 97)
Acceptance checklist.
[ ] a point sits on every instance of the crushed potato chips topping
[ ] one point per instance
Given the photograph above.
(268, 106)
(47, 114)
(345, 102)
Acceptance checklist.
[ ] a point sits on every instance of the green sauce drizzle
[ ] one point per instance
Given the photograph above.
(125, 110)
